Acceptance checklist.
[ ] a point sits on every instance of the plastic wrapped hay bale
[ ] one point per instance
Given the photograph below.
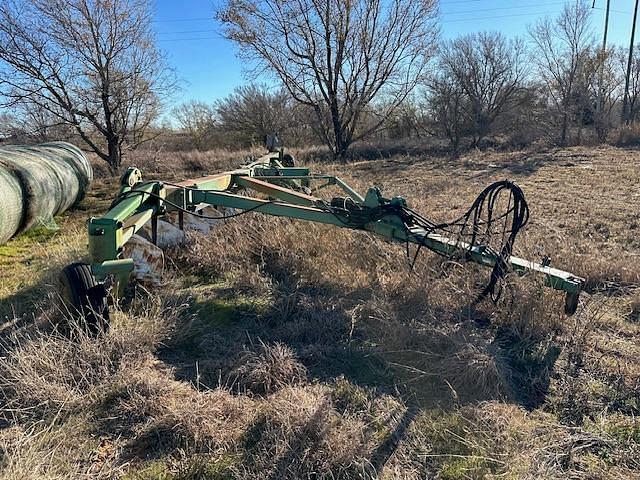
(39, 182)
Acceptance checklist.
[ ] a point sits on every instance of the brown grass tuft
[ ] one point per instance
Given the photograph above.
(476, 372)
(50, 373)
(268, 368)
(297, 432)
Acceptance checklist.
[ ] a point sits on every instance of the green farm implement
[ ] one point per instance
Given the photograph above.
(284, 190)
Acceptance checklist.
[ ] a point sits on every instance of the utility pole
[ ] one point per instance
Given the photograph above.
(603, 56)
(625, 102)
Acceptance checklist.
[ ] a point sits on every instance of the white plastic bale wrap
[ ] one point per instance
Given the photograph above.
(39, 182)
(11, 204)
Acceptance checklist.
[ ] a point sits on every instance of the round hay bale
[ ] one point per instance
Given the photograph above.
(52, 177)
(61, 167)
(12, 202)
(75, 161)
(41, 187)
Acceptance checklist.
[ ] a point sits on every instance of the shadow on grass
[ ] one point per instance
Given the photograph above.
(314, 321)
(23, 301)
(216, 330)
(531, 365)
(21, 310)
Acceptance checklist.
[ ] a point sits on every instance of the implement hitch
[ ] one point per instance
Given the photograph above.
(291, 192)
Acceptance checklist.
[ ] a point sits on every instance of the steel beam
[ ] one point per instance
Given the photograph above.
(275, 191)
(275, 208)
(128, 206)
(221, 181)
(554, 278)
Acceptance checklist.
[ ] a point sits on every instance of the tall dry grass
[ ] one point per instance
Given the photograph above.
(282, 349)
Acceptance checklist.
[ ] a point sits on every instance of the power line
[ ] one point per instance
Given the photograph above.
(546, 12)
(532, 5)
(185, 39)
(444, 21)
(199, 19)
(471, 19)
(460, 1)
(455, 20)
(186, 31)
(171, 20)
(614, 11)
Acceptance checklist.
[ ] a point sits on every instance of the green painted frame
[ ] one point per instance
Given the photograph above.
(284, 186)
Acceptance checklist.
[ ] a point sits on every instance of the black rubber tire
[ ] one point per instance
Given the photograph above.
(571, 301)
(85, 298)
(288, 160)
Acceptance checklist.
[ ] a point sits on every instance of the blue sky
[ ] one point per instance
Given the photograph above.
(208, 66)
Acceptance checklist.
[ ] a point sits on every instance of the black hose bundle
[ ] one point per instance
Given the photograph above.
(478, 226)
(481, 223)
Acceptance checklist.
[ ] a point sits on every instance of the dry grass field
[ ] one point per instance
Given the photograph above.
(280, 349)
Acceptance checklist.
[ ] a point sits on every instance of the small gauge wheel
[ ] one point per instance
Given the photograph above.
(85, 298)
(571, 302)
(288, 160)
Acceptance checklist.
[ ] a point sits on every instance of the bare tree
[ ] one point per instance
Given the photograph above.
(253, 111)
(7, 127)
(562, 50)
(338, 56)
(32, 122)
(197, 120)
(91, 64)
(634, 78)
(405, 121)
(447, 109)
(490, 70)
(605, 83)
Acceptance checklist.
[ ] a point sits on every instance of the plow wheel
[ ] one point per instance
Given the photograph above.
(85, 298)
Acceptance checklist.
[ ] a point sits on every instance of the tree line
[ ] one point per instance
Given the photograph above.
(340, 72)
